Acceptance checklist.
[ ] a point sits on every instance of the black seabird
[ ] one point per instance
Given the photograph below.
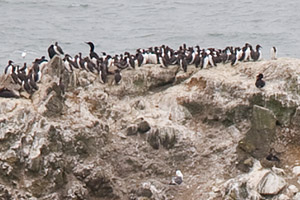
(32, 82)
(15, 76)
(173, 59)
(190, 55)
(139, 57)
(183, 62)
(130, 59)
(121, 63)
(234, 56)
(273, 52)
(51, 51)
(246, 51)
(67, 63)
(26, 86)
(37, 74)
(55, 50)
(93, 55)
(9, 67)
(89, 65)
(24, 69)
(22, 73)
(256, 55)
(80, 61)
(259, 82)
(118, 76)
(58, 50)
(163, 60)
(103, 71)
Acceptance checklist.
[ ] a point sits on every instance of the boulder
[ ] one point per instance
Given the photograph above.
(255, 184)
(296, 170)
(143, 126)
(271, 184)
(263, 119)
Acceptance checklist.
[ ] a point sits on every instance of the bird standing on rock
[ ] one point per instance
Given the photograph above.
(273, 53)
(259, 82)
(178, 179)
(93, 55)
(118, 76)
(55, 50)
(9, 67)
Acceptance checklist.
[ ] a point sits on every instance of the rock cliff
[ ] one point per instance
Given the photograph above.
(76, 138)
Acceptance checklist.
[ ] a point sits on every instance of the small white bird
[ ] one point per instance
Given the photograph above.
(273, 53)
(178, 179)
(24, 53)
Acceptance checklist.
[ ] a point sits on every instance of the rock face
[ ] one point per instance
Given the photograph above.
(76, 138)
(254, 185)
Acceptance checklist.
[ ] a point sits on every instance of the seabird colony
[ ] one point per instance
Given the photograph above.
(163, 55)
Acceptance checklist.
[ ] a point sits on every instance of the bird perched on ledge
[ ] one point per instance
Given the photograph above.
(273, 53)
(259, 82)
(55, 50)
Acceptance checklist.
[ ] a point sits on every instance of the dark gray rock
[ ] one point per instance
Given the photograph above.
(132, 130)
(143, 126)
(153, 139)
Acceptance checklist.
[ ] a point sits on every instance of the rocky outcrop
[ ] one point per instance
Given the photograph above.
(76, 138)
(258, 139)
(256, 184)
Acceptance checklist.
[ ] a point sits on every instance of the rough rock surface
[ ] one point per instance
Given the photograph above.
(89, 140)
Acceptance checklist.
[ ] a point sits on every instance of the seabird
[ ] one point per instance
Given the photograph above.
(162, 60)
(178, 179)
(273, 52)
(93, 55)
(26, 86)
(152, 57)
(183, 62)
(89, 65)
(130, 59)
(118, 76)
(248, 52)
(58, 50)
(9, 67)
(32, 82)
(67, 63)
(22, 72)
(15, 76)
(139, 57)
(80, 61)
(24, 53)
(256, 55)
(103, 72)
(55, 50)
(234, 57)
(51, 51)
(259, 82)
(205, 61)
(245, 54)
